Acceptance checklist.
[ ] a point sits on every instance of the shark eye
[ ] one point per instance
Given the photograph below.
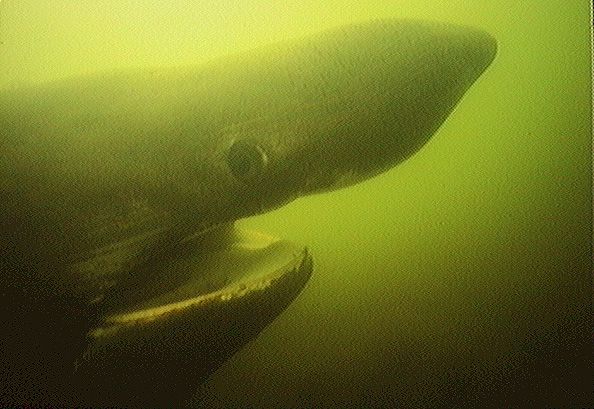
(247, 161)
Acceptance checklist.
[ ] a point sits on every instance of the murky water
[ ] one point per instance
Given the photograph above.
(459, 278)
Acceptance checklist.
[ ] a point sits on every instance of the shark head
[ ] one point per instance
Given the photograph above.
(123, 208)
(348, 104)
(312, 115)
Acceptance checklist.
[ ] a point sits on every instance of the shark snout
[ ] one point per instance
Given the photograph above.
(476, 51)
(488, 49)
(400, 81)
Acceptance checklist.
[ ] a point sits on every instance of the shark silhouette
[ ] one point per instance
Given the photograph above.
(124, 281)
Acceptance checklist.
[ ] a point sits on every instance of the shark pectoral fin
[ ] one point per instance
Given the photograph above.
(159, 351)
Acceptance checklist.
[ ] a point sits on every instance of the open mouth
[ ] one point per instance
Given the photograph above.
(173, 341)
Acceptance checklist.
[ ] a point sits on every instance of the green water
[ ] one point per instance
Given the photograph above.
(460, 277)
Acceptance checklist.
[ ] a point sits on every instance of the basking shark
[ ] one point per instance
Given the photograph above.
(123, 278)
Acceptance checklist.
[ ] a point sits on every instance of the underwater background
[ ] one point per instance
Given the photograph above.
(460, 278)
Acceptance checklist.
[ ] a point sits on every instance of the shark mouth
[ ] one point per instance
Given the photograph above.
(160, 350)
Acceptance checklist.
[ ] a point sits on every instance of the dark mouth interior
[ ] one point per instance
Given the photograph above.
(227, 269)
(242, 261)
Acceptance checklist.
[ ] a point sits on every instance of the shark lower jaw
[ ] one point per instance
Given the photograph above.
(161, 351)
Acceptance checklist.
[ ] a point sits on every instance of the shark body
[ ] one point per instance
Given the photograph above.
(108, 181)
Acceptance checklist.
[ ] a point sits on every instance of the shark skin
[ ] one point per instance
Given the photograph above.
(120, 259)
